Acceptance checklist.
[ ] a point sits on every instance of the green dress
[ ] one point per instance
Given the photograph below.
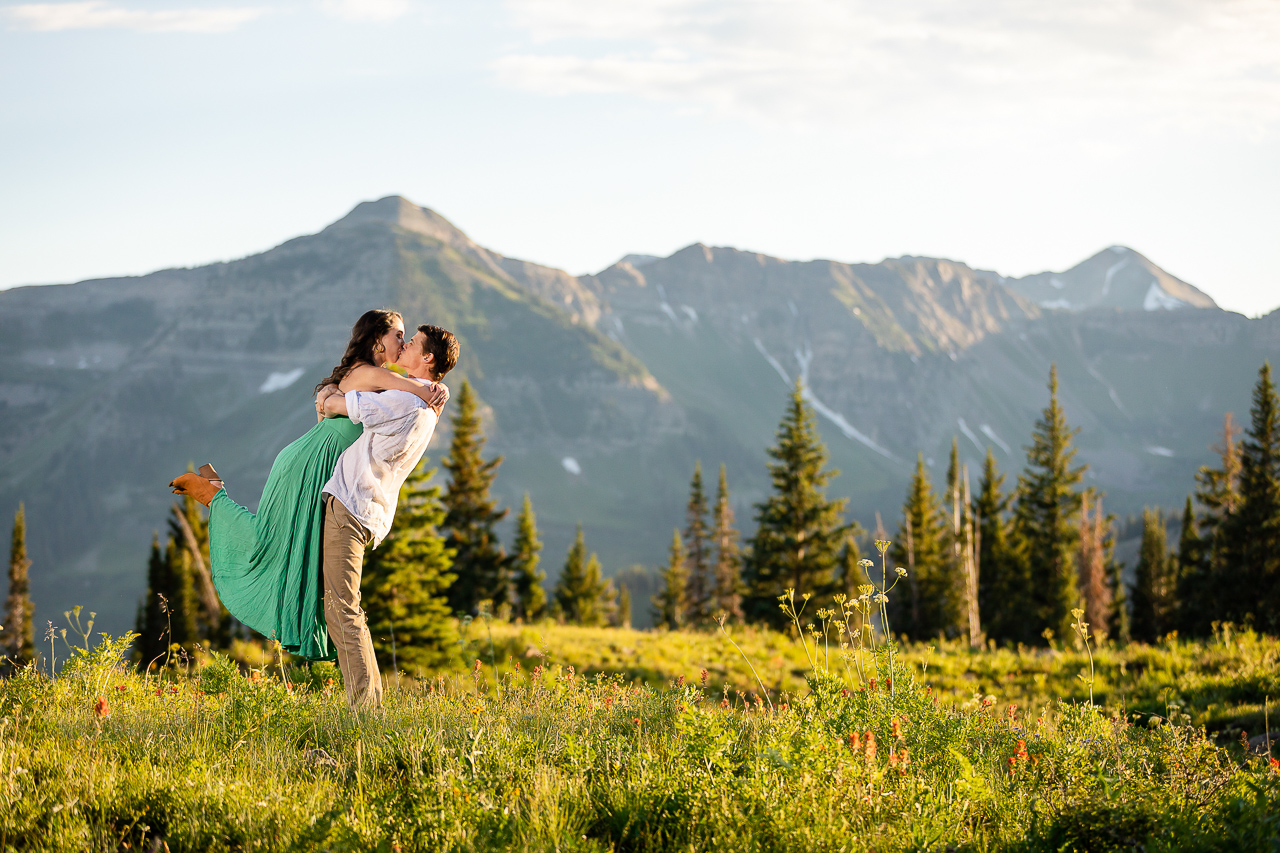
(266, 567)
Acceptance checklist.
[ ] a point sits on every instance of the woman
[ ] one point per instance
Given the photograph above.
(266, 566)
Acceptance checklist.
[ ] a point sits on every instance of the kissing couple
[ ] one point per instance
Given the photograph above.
(292, 571)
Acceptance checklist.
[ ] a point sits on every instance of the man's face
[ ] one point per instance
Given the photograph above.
(414, 361)
(392, 345)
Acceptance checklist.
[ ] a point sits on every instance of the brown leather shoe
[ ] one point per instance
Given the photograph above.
(196, 486)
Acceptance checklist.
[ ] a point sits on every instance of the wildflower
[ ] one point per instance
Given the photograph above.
(866, 564)
(703, 678)
(679, 682)
(1022, 750)
(897, 728)
(844, 694)
(159, 691)
(906, 757)
(608, 702)
(855, 743)
(784, 707)
(1011, 712)
(681, 709)
(871, 746)
(893, 759)
(255, 677)
(1275, 765)
(572, 672)
(477, 669)
(724, 703)
(1012, 761)
(902, 573)
(173, 689)
(882, 545)
(121, 688)
(888, 684)
(635, 721)
(100, 708)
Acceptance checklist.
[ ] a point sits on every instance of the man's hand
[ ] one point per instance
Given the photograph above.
(321, 396)
(334, 405)
(439, 396)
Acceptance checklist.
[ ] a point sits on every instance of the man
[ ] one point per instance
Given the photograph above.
(360, 499)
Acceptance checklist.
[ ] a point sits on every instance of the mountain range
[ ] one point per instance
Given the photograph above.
(601, 391)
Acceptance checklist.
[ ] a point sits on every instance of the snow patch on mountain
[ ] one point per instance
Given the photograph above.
(1157, 300)
(986, 430)
(280, 381)
(571, 465)
(968, 433)
(1157, 450)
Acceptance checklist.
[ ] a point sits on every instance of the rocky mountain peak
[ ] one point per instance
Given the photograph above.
(1116, 277)
(400, 212)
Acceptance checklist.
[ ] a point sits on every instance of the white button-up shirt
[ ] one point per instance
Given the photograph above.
(369, 474)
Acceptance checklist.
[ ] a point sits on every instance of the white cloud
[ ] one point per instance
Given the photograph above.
(1167, 63)
(99, 14)
(366, 10)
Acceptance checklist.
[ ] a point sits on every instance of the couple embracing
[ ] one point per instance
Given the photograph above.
(292, 570)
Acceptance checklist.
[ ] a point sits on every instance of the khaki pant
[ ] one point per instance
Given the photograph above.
(344, 543)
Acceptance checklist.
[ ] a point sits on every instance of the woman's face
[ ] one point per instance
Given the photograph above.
(391, 344)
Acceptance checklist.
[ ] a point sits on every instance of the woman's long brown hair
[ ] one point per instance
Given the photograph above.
(371, 326)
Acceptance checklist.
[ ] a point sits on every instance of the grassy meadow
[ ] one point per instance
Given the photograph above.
(562, 738)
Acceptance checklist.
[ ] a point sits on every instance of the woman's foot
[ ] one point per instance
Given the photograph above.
(195, 486)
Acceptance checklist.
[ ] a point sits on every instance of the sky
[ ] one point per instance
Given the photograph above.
(1013, 135)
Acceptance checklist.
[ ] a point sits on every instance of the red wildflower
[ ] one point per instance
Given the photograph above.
(854, 743)
(100, 708)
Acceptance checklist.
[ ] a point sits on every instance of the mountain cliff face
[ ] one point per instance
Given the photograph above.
(600, 391)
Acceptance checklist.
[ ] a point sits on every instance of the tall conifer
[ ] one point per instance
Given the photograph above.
(1045, 519)
(531, 597)
(697, 544)
(727, 568)
(800, 531)
(18, 642)
(405, 581)
(936, 608)
(580, 593)
(1002, 585)
(1153, 593)
(669, 603)
(1191, 580)
(480, 562)
(1205, 587)
(1252, 533)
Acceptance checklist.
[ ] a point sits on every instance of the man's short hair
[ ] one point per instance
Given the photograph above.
(443, 345)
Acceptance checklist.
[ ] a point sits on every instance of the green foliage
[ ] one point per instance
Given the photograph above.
(799, 530)
(1250, 575)
(1154, 592)
(727, 566)
(930, 604)
(1044, 523)
(561, 761)
(581, 597)
(17, 642)
(480, 563)
(1001, 578)
(530, 597)
(670, 603)
(405, 579)
(699, 587)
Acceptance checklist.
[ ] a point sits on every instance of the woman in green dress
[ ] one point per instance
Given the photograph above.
(266, 565)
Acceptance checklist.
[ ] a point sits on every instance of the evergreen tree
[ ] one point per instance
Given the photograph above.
(480, 562)
(800, 531)
(1002, 585)
(1118, 619)
(1045, 519)
(1153, 587)
(531, 598)
(1094, 564)
(669, 603)
(727, 568)
(624, 607)
(1205, 581)
(1251, 582)
(18, 642)
(183, 604)
(580, 593)
(1191, 576)
(933, 606)
(698, 592)
(405, 582)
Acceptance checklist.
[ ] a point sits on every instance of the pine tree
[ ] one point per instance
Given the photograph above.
(531, 598)
(1251, 582)
(1094, 564)
(480, 562)
(932, 606)
(580, 592)
(1205, 586)
(800, 531)
(1191, 579)
(1045, 519)
(405, 582)
(1002, 585)
(18, 640)
(727, 568)
(1153, 586)
(698, 602)
(669, 603)
(1118, 618)
(183, 604)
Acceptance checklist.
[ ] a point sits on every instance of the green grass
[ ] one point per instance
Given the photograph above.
(545, 757)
